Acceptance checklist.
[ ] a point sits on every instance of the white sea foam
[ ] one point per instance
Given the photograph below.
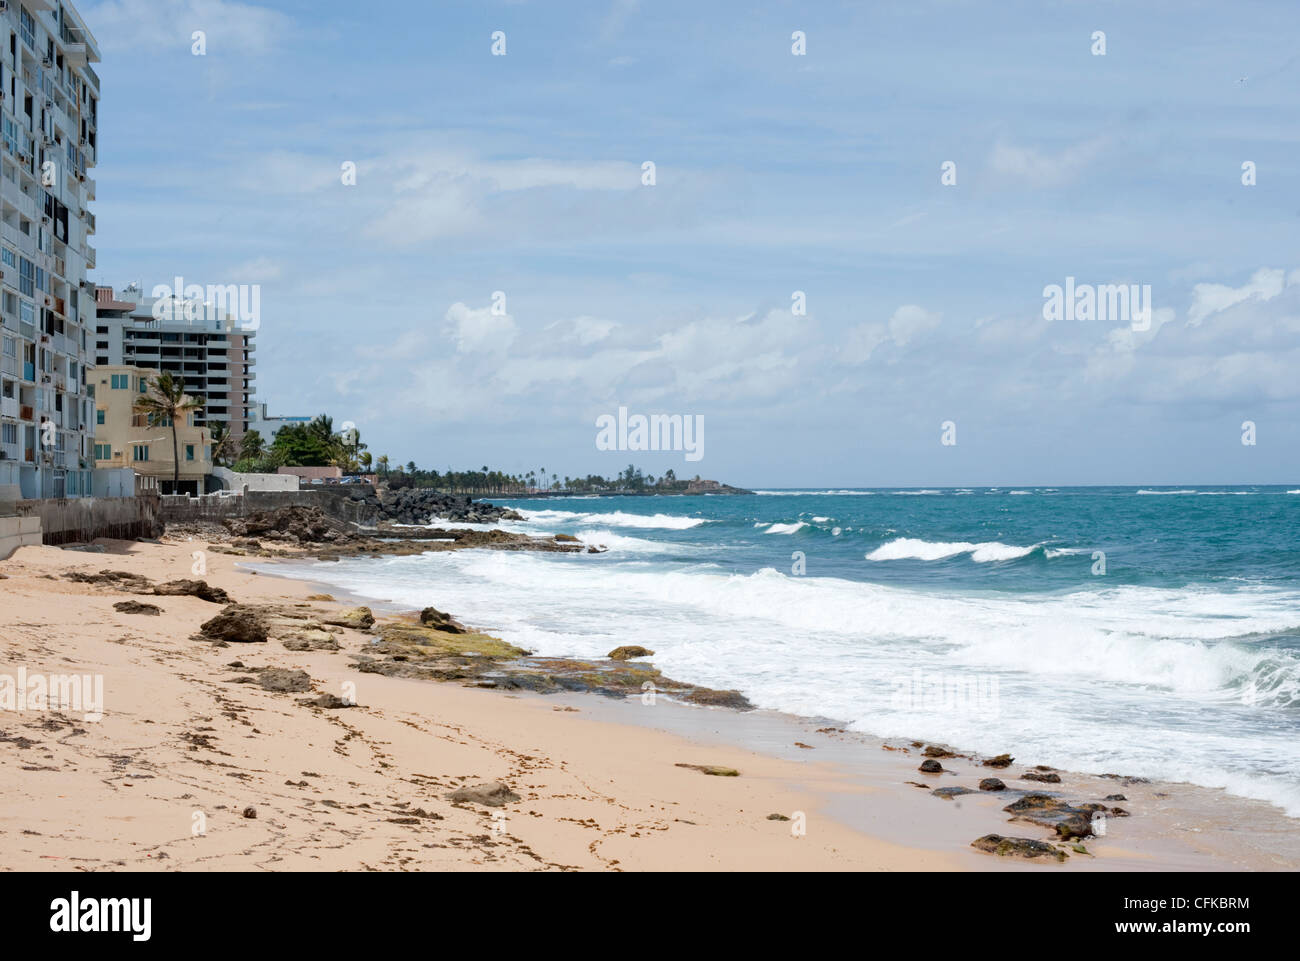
(616, 519)
(1145, 680)
(839, 493)
(786, 528)
(909, 548)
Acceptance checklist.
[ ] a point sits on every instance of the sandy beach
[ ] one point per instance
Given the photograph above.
(198, 764)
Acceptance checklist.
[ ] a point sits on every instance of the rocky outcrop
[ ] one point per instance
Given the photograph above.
(629, 652)
(189, 588)
(357, 618)
(1017, 848)
(1046, 811)
(412, 505)
(283, 680)
(301, 525)
(135, 607)
(138, 584)
(240, 623)
(433, 618)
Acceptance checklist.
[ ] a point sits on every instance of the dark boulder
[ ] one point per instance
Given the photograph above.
(238, 622)
(433, 618)
(1017, 848)
(628, 652)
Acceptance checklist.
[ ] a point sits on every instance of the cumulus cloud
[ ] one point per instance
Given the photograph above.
(1210, 299)
(479, 330)
(905, 325)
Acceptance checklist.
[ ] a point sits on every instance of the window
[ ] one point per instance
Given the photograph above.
(189, 452)
(7, 256)
(25, 272)
(141, 452)
(10, 347)
(120, 381)
(99, 417)
(103, 451)
(9, 433)
(144, 385)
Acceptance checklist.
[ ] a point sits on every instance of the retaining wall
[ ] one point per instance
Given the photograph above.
(82, 519)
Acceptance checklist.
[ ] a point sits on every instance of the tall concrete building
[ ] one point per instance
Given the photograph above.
(125, 438)
(49, 112)
(194, 338)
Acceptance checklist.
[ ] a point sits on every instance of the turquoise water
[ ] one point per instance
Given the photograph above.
(984, 618)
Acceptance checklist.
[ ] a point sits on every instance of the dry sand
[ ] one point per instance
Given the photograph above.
(183, 746)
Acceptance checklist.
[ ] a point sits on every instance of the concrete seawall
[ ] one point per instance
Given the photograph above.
(78, 520)
(216, 507)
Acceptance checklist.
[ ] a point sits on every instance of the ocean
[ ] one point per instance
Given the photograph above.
(1149, 632)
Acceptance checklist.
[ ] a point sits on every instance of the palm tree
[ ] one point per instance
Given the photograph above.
(163, 404)
(252, 446)
(224, 447)
(383, 464)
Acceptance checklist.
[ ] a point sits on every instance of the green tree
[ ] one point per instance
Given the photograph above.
(252, 446)
(163, 403)
(225, 450)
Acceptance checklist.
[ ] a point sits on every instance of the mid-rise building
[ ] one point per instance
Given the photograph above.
(49, 114)
(269, 425)
(196, 340)
(124, 437)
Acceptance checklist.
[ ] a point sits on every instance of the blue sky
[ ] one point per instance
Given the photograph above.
(774, 173)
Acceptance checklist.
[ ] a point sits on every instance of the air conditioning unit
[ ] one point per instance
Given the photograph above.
(47, 62)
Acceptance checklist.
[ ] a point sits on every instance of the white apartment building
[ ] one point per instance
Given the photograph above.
(197, 340)
(49, 111)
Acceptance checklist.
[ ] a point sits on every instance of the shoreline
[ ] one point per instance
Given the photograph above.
(599, 782)
(1241, 833)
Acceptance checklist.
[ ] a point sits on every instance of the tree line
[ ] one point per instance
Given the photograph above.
(318, 444)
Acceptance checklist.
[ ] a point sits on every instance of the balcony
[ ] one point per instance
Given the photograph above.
(29, 372)
(26, 413)
(79, 45)
(89, 251)
(25, 204)
(10, 451)
(9, 406)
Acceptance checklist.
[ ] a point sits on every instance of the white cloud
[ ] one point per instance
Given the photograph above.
(907, 323)
(1210, 299)
(479, 330)
(1038, 168)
